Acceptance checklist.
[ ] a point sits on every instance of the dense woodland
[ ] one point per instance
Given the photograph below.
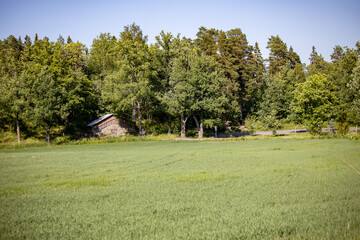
(177, 85)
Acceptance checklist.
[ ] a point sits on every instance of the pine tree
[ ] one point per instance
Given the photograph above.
(61, 40)
(207, 41)
(69, 40)
(234, 56)
(317, 64)
(294, 58)
(278, 56)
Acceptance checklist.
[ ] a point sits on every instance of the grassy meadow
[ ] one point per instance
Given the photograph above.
(260, 189)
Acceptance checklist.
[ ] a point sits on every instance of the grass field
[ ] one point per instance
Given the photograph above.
(261, 189)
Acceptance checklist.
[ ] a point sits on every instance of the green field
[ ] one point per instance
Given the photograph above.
(261, 189)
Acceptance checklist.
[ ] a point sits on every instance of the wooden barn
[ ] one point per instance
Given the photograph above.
(109, 125)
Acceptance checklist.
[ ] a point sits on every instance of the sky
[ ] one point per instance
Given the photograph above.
(299, 23)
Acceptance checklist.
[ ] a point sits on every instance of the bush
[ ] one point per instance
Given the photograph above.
(342, 127)
(251, 124)
(342, 122)
(272, 122)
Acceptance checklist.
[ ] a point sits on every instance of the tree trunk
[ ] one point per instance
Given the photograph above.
(169, 125)
(197, 124)
(279, 65)
(18, 130)
(183, 125)
(67, 123)
(139, 119)
(133, 107)
(47, 133)
(199, 127)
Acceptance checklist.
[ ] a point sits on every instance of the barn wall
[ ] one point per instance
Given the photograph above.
(110, 126)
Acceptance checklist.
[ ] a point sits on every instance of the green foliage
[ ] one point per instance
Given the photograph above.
(298, 189)
(278, 97)
(7, 137)
(196, 87)
(242, 64)
(343, 127)
(344, 61)
(272, 122)
(217, 78)
(278, 54)
(354, 92)
(102, 60)
(342, 122)
(13, 84)
(317, 64)
(46, 100)
(45, 83)
(251, 124)
(316, 101)
(128, 88)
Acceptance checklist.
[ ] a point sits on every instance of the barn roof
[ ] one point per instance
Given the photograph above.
(100, 119)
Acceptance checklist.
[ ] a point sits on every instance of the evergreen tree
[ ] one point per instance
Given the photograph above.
(234, 57)
(61, 40)
(243, 66)
(294, 58)
(207, 41)
(278, 56)
(256, 83)
(69, 40)
(317, 64)
(337, 55)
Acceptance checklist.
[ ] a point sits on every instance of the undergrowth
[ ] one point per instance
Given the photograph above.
(8, 140)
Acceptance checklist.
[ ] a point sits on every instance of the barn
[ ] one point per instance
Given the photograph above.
(109, 125)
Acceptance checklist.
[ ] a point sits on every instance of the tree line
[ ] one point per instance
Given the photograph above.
(176, 85)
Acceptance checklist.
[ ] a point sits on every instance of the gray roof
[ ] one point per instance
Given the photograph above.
(100, 119)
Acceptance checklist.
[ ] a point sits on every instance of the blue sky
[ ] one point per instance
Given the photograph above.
(301, 24)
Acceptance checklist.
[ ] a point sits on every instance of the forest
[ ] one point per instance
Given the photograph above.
(176, 85)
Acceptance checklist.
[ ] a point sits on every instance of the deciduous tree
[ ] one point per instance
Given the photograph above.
(46, 97)
(354, 91)
(129, 86)
(316, 101)
(12, 82)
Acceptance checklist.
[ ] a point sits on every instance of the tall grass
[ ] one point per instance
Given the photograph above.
(266, 189)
